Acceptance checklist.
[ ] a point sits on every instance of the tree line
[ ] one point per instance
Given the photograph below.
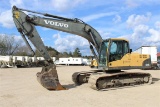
(54, 53)
(9, 45)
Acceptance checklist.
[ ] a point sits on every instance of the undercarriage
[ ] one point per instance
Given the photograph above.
(100, 80)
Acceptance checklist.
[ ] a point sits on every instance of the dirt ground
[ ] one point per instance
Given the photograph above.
(19, 88)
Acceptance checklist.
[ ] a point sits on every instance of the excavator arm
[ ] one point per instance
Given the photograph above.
(26, 26)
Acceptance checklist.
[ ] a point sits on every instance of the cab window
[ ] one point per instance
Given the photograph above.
(118, 49)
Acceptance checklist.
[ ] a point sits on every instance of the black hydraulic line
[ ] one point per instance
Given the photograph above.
(24, 38)
(93, 39)
(45, 14)
(14, 50)
(54, 16)
(92, 50)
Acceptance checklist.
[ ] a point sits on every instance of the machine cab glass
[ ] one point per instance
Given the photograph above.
(118, 48)
(103, 53)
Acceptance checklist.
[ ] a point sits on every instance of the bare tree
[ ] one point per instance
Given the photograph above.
(2, 45)
(22, 51)
(8, 44)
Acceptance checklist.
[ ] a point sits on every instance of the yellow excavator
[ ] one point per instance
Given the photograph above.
(112, 55)
(94, 63)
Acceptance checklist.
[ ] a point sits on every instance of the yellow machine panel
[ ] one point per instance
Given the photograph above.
(130, 60)
(94, 64)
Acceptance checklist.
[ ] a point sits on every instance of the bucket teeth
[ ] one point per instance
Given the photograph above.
(60, 87)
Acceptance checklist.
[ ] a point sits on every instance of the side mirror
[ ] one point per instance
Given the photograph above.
(130, 50)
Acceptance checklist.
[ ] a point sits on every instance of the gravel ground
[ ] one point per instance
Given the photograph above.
(20, 88)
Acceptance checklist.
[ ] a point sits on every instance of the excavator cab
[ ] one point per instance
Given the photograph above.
(112, 50)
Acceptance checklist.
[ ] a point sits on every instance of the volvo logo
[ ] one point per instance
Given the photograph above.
(56, 23)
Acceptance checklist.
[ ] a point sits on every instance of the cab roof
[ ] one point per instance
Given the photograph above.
(118, 39)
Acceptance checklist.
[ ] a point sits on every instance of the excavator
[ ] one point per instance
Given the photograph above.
(112, 55)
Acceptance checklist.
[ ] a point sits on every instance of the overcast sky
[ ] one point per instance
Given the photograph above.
(135, 20)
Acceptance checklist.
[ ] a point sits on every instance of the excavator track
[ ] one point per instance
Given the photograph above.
(109, 81)
(104, 81)
(81, 77)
